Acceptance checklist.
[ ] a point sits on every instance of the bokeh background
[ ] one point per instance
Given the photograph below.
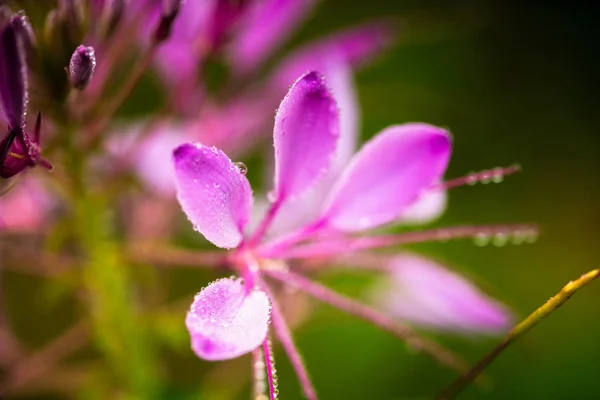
(515, 81)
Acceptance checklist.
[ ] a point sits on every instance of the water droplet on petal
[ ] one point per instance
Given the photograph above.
(241, 167)
(272, 196)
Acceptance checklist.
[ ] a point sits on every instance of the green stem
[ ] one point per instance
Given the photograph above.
(523, 327)
(117, 325)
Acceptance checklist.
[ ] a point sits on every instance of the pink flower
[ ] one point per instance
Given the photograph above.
(377, 186)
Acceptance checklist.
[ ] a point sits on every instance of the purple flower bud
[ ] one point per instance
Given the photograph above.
(169, 12)
(13, 75)
(22, 26)
(81, 67)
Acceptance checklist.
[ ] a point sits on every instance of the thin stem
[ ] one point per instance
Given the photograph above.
(523, 327)
(270, 365)
(519, 234)
(112, 107)
(434, 350)
(36, 364)
(287, 342)
(174, 256)
(495, 175)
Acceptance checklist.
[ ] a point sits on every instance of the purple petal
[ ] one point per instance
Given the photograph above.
(302, 210)
(354, 47)
(226, 321)
(13, 76)
(425, 293)
(19, 157)
(305, 136)
(213, 192)
(387, 175)
(267, 25)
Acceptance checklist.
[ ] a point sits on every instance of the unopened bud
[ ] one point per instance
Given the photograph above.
(23, 28)
(13, 75)
(81, 67)
(170, 9)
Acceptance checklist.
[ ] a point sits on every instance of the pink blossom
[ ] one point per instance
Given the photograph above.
(382, 181)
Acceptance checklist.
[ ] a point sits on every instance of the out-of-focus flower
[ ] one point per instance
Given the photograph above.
(25, 207)
(424, 293)
(82, 66)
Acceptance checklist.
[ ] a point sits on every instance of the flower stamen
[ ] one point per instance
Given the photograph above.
(494, 175)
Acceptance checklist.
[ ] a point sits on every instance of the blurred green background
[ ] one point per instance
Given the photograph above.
(515, 82)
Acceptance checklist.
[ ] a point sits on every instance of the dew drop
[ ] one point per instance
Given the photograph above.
(500, 239)
(471, 179)
(531, 237)
(497, 175)
(241, 167)
(272, 196)
(482, 239)
(486, 177)
(518, 238)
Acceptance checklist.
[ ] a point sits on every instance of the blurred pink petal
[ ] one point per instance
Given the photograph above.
(149, 153)
(226, 321)
(430, 206)
(387, 175)
(25, 207)
(354, 47)
(267, 24)
(305, 136)
(213, 192)
(425, 293)
(153, 157)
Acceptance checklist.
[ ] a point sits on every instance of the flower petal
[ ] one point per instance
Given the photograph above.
(225, 321)
(303, 210)
(213, 192)
(425, 293)
(387, 175)
(305, 136)
(267, 25)
(430, 206)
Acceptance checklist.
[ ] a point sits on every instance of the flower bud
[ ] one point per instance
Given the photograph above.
(13, 75)
(170, 9)
(81, 67)
(23, 28)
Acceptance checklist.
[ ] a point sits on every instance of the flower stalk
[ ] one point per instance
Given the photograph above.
(522, 328)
